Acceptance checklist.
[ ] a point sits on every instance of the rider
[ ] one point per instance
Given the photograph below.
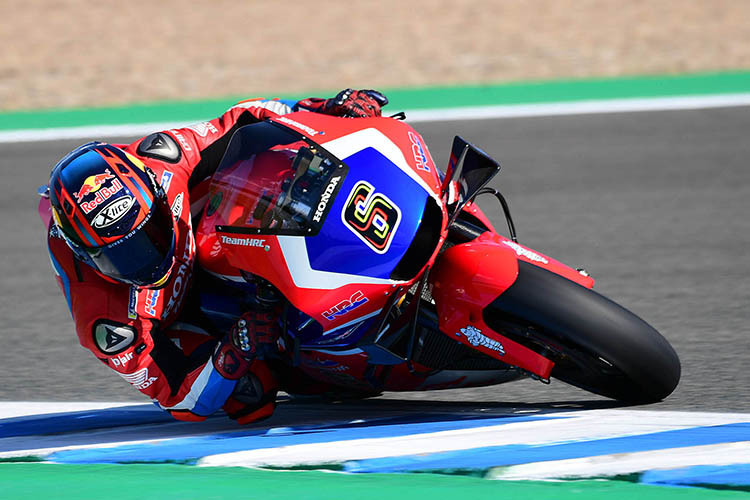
(122, 246)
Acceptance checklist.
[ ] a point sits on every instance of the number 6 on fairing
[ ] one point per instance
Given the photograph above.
(371, 216)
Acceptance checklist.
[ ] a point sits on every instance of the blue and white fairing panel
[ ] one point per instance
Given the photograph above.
(375, 215)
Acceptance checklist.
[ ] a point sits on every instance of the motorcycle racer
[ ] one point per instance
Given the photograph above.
(122, 246)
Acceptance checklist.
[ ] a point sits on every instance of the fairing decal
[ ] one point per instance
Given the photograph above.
(304, 276)
(371, 216)
(392, 214)
(360, 319)
(346, 146)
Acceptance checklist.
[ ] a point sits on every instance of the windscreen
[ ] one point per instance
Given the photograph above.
(273, 181)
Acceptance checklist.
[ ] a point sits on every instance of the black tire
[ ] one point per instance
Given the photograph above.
(596, 344)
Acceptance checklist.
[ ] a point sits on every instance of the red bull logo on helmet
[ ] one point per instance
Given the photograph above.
(94, 184)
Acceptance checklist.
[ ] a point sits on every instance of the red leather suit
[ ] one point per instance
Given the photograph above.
(136, 331)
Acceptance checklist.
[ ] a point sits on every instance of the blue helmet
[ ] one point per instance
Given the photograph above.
(108, 207)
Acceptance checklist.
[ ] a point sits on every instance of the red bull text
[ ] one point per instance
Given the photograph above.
(95, 184)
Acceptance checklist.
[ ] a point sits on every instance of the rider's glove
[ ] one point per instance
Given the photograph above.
(252, 337)
(348, 103)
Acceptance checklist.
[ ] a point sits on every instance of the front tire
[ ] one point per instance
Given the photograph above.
(596, 344)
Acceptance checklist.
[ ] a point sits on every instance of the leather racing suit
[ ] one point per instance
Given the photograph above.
(136, 331)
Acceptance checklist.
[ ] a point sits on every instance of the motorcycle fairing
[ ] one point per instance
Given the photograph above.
(393, 138)
(374, 192)
(311, 334)
(387, 137)
(303, 271)
(351, 369)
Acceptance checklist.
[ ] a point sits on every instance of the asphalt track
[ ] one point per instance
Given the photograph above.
(653, 204)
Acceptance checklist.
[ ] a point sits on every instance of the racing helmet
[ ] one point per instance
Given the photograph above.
(113, 214)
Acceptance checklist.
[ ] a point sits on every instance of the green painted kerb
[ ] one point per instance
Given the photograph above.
(180, 482)
(403, 99)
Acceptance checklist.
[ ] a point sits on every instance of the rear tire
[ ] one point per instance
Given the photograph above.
(596, 344)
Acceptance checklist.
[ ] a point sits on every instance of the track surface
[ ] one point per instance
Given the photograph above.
(653, 204)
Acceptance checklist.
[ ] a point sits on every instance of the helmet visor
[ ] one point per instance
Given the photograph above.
(144, 256)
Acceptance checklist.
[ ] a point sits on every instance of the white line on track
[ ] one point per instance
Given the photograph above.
(587, 425)
(627, 463)
(91, 132)
(581, 107)
(420, 116)
(15, 409)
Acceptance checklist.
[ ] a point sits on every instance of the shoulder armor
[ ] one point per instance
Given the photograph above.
(160, 146)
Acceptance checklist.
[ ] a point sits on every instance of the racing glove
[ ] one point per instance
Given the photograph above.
(252, 337)
(348, 103)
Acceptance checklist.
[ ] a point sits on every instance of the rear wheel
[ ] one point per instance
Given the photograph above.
(596, 344)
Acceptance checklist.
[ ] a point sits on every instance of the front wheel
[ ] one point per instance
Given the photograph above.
(596, 344)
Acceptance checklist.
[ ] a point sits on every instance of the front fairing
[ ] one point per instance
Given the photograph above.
(377, 228)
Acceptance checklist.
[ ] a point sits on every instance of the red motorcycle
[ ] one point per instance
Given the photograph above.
(386, 276)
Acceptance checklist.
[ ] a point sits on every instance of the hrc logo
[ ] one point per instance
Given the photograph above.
(343, 307)
(371, 216)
